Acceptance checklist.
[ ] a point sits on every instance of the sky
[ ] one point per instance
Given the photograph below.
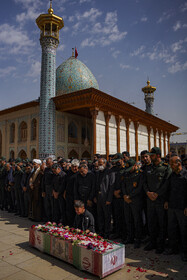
(123, 43)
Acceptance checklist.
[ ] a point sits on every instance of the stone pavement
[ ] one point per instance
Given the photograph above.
(18, 261)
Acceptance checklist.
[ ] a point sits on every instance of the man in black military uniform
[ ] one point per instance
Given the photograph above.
(104, 195)
(84, 220)
(3, 174)
(132, 189)
(59, 181)
(47, 189)
(155, 187)
(126, 156)
(119, 229)
(84, 186)
(69, 192)
(177, 207)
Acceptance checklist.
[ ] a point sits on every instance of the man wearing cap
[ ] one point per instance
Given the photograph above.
(47, 189)
(155, 186)
(103, 197)
(3, 174)
(132, 188)
(117, 203)
(176, 204)
(69, 192)
(59, 181)
(126, 156)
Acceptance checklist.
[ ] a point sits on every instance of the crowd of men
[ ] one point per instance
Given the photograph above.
(129, 200)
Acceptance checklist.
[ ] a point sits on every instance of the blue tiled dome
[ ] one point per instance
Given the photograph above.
(73, 75)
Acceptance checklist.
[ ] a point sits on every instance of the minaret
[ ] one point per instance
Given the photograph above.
(49, 25)
(149, 97)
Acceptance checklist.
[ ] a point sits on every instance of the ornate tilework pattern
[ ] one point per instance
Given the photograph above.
(73, 75)
(149, 100)
(47, 91)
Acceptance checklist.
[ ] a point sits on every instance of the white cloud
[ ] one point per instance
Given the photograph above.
(106, 33)
(138, 52)
(177, 67)
(124, 66)
(183, 7)
(91, 15)
(84, 1)
(31, 10)
(5, 72)
(144, 19)
(71, 18)
(35, 69)
(61, 48)
(14, 40)
(165, 16)
(116, 53)
(179, 46)
(177, 26)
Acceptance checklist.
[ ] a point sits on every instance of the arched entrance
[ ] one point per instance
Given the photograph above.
(86, 155)
(73, 154)
(22, 154)
(33, 154)
(12, 155)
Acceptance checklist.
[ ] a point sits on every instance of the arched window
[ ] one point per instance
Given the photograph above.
(12, 133)
(33, 154)
(12, 156)
(86, 155)
(0, 143)
(85, 134)
(23, 132)
(22, 154)
(73, 154)
(72, 133)
(33, 129)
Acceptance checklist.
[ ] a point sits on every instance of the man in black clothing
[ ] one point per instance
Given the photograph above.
(25, 188)
(3, 174)
(69, 192)
(132, 193)
(17, 174)
(84, 220)
(155, 187)
(47, 189)
(59, 181)
(177, 207)
(84, 186)
(104, 195)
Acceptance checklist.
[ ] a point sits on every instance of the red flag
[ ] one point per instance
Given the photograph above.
(76, 52)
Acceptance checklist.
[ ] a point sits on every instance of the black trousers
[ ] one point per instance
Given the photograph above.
(133, 218)
(119, 226)
(70, 212)
(177, 220)
(156, 222)
(103, 216)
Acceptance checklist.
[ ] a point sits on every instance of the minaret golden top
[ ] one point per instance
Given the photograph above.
(148, 88)
(50, 24)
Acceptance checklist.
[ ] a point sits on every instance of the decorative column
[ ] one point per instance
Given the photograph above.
(118, 121)
(136, 124)
(16, 139)
(94, 113)
(168, 134)
(49, 25)
(107, 118)
(160, 142)
(164, 143)
(149, 138)
(149, 97)
(155, 131)
(127, 121)
(28, 137)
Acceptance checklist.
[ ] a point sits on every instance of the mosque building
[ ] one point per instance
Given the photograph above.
(72, 117)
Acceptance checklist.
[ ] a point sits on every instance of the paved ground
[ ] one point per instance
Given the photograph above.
(19, 261)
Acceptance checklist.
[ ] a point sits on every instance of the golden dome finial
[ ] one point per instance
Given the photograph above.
(50, 11)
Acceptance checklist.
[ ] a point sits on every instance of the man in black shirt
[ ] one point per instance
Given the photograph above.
(177, 206)
(84, 220)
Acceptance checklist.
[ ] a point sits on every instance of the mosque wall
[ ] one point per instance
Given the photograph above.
(100, 134)
(142, 138)
(112, 135)
(123, 140)
(162, 145)
(157, 139)
(151, 138)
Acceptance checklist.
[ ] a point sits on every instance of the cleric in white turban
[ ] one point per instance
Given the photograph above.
(37, 161)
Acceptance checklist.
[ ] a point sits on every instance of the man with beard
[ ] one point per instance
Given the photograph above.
(25, 186)
(84, 186)
(58, 191)
(176, 205)
(35, 183)
(104, 195)
(69, 192)
(47, 189)
(155, 187)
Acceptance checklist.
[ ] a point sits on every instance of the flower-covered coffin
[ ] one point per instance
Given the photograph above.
(88, 252)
